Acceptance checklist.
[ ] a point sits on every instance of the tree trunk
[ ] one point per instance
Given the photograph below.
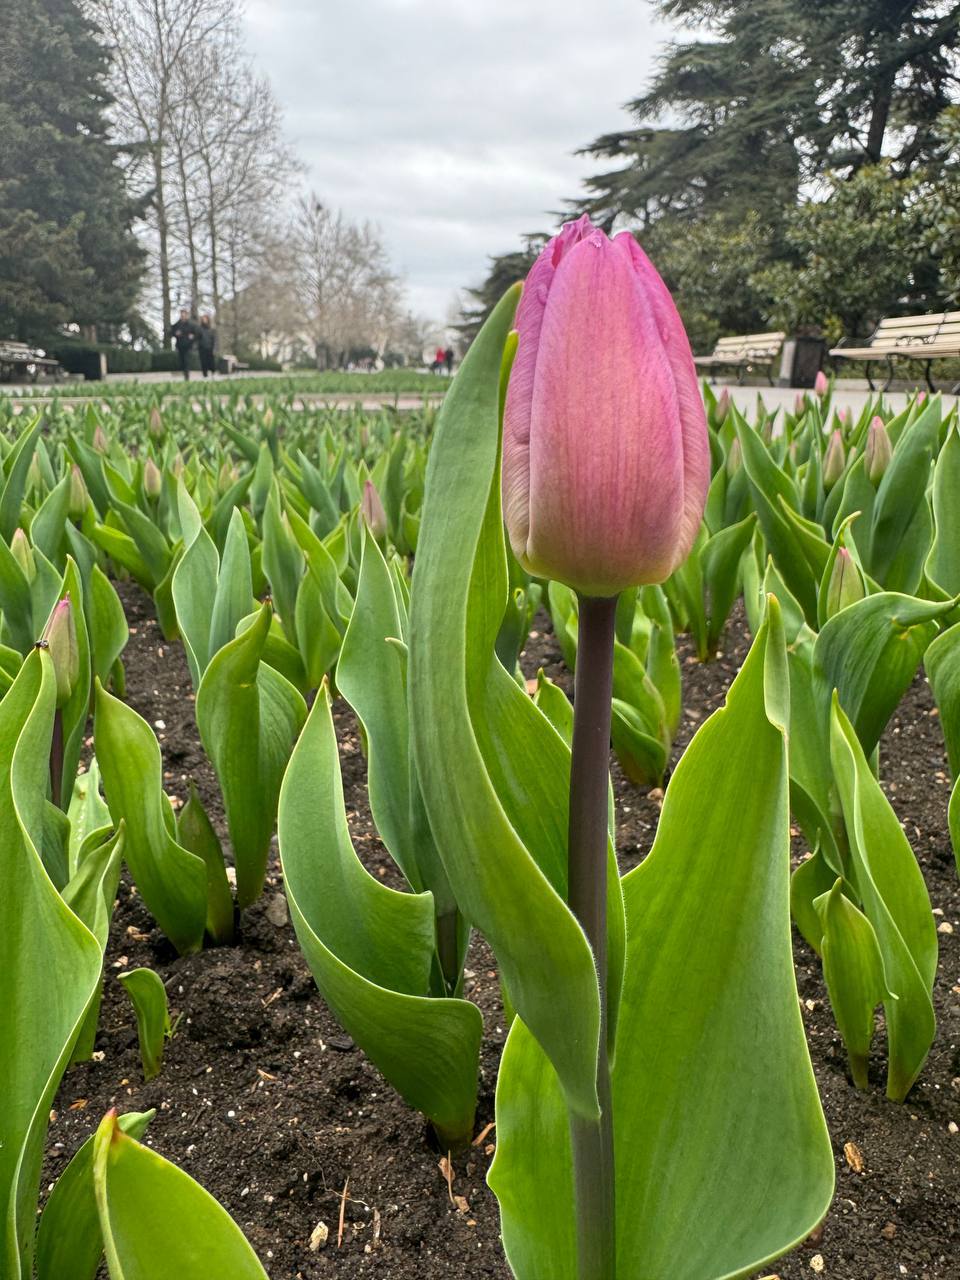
(162, 237)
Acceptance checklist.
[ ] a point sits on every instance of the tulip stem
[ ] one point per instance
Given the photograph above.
(592, 1140)
(56, 759)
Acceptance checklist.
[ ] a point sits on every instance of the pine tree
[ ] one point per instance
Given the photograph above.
(67, 250)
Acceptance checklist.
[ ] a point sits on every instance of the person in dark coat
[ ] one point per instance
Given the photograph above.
(448, 360)
(184, 335)
(207, 346)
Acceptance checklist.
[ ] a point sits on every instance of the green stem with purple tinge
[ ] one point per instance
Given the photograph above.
(592, 1140)
(56, 759)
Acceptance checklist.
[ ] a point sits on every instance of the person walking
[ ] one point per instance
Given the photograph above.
(448, 360)
(437, 365)
(207, 346)
(184, 335)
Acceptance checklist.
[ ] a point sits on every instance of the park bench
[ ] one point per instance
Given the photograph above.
(924, 338)
(19, 362)
(745, 352)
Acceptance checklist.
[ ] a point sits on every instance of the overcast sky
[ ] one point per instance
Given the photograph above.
(450, 123)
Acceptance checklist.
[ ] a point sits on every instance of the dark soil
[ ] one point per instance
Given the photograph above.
(271, 1107)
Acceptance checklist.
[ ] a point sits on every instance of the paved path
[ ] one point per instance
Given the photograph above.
(847, 395)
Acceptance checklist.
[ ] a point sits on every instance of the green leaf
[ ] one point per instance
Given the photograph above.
(51, 962)
(870, 652)
(90, 893)
(195, 832)
(853, 972)
(711, 1057)
(895, 901)
(149, 997)
(171, 881)
(156, 1221)
(106, 624)
(69, 1240)
(720, 560)
(943, 562)
(15, 469)
(493, 771)
(369, 947)
(249, 717)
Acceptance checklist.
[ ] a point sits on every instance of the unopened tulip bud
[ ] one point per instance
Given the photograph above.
(155, 423)
(723, 407)
(34, 475)
(821, 383)
(844, 416)
(734, 459)
(834, 461)
(373, 511)
(364, 436)
(268, 417)
(878, 451)
(176, 466)
(78, 494)
(225, 478)
(799, 406)
(606, 457)
(152, 479)
(846, 583)
(23, 554)
(100, 441)
(60, 640)
(921, 397)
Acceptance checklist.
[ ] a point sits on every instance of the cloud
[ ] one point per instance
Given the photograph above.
(452, 125)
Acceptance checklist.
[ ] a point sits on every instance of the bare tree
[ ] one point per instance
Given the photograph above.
(151, 41)
(348, 294)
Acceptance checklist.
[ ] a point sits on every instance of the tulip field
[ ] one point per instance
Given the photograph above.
(416, 870)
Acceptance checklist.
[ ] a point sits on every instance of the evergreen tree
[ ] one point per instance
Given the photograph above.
(776, 93)
(67, 251)
(505, 270)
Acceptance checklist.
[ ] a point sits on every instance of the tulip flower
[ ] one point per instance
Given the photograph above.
(606, 460)
(155, 423)
(878, 451)
(821, 383)
(846, 583)
(100, 442)
(799, 405)
(606, 464)
(373, 512)
(834, 461)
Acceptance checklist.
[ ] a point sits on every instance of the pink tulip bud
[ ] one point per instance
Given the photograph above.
(834, 461)
(100, 441)
(844, 416)
(821, 383)
(155, 423)
(799, 406)
(878, 451)
(606, 459)
(60, 640)
(846, 584)
(921, 397)
(373, 511)
(152, 479)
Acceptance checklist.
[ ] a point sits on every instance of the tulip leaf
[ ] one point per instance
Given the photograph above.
(853, 972)
(106, 623)
(171, 880)
(87, 811)
(90, 893)
(195, 832)
(710, 1055)
(371, 948)
(884, 872)
(943, 562)
(249, 716)
(493, 771)
(149, 998)
(902, 524)
(69, 1240)
(156, 1221)
(870, 652)
(39, 937)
